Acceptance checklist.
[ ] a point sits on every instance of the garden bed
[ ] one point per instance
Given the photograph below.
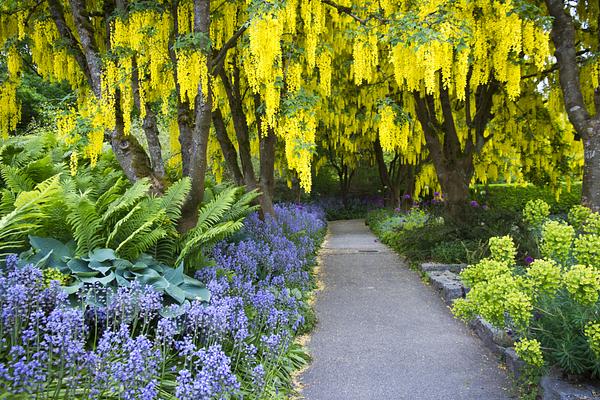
(538, 312)
(132, 344)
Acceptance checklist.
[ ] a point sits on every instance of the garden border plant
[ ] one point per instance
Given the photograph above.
(122, 344)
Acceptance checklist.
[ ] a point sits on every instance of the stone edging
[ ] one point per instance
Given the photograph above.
(444, 278)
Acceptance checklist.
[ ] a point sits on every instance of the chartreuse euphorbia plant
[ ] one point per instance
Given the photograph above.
(551, 305)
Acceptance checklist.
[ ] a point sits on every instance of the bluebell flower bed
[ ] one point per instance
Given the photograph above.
(130, 346)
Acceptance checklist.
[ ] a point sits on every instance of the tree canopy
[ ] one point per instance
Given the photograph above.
(439, 94)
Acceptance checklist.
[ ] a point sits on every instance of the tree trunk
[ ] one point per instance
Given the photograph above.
(590, 195)
(130, 154)
(228, 149)
(150, 127)
(586, 125)
(200, 132)
(267, 172)
(453, 165)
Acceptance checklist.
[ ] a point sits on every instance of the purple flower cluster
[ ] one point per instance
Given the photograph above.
(127, 344)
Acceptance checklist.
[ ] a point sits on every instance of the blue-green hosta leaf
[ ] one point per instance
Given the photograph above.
(91, 274)
(138, 266)
(101, 255)
(107, 279)
(104, 280)
(98, 266)
(120, 264)
(122, 281)
(71, 289)
(147, 273)
(195, 291)
(157, 282)
(78, 265)
(176, 293)
(128, 274)
(47, 245)
(174, 275)
(174, 310)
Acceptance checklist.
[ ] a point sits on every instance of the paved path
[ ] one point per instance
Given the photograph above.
(384, 335)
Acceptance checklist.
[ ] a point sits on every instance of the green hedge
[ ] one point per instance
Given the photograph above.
(514, 197)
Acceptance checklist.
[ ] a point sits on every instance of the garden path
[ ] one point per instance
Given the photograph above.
(382, 334)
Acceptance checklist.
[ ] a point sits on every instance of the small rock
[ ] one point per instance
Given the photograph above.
(493, 338)
(554, 388)
(513, 363)
(429, 267)
(448, 284)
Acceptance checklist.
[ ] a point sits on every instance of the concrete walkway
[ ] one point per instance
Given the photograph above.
(383, 335)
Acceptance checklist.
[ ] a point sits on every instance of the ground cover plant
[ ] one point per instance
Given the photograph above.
(426, 232)
(548, 302)
(129, 343)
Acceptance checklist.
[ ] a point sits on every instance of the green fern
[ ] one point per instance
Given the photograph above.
(131, 196)
(28, 213)
(215, 222)
(15, 179)
(174, 197)
(85, 223)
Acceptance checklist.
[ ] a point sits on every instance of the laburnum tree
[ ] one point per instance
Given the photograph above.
(191, 65)
(437, 86)
(461, 70)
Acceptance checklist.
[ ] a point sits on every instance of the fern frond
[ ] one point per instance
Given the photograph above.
(110, 195)
(85, 222)
(174, 197)
(16, 180)
(206, 238)
(119, 226)
(213, 212)
(243, 206)
(131, 196)
(27, 214)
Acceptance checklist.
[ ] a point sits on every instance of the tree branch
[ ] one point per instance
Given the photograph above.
(218, 60)
(58, 15)
(88, 43)
(345, 10)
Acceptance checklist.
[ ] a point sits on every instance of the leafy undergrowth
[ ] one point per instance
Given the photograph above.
(128, 344)
(429, 234)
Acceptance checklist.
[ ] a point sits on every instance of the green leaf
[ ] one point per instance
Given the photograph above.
(107, 279)
(175, 275)
(71, 289)
(176, 293)
(195, 291)
(102, 255)
(78, 265)
(47, 245)
(98, 266)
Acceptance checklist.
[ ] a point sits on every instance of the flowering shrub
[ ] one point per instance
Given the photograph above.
(552, 304)
(129, 346)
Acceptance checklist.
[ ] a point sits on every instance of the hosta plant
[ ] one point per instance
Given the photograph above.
(551, 305)
(104, 268)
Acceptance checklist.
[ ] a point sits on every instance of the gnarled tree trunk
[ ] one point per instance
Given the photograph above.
(585, 124)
